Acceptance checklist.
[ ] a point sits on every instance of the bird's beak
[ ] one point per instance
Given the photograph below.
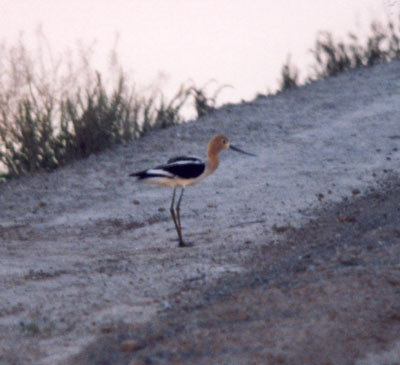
(241, 151)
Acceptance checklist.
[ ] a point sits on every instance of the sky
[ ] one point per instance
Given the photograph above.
(240, 43)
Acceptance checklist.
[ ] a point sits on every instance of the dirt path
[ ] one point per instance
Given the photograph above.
(85, 251)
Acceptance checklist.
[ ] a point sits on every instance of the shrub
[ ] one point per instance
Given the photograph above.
(333, 57)
(289, 76)
(205, 104)
(53, 111)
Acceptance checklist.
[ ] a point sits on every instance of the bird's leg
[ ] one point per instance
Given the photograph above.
(171, 209)
(178, 209)
(177, 227)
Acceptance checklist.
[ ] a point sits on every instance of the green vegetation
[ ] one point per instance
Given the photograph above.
(333, 57)
(290, 76)
(205, 104)
(53, 111)
(29, 328)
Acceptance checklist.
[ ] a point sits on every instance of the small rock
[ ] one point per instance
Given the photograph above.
(137, 362)
(347, 219)
(279, 229)
(131, 345)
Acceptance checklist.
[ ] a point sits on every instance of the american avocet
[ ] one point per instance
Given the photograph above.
(184, 171)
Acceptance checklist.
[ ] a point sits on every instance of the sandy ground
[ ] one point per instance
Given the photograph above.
(88, 258)
(325, 293)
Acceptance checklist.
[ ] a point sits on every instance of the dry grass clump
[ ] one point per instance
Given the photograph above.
(333, 57)
(55, 110)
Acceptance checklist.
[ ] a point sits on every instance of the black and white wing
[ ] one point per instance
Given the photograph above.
(181, 167)
(184, 159)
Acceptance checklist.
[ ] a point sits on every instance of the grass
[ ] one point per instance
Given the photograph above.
(53, 111)
(289, 76)
(29, 328)
(205, 104)
(333, 57)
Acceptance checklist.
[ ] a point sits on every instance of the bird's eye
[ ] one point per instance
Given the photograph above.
(224, 141)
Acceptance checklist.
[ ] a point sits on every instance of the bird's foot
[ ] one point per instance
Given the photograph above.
(185, 244)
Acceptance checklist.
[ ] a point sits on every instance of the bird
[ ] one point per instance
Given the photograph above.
(184, 171)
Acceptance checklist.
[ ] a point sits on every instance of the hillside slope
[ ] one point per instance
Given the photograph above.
(85, 250)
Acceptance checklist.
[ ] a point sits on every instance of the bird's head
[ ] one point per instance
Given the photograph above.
(221, 142)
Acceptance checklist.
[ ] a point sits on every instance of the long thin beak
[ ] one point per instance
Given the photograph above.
(241, 151)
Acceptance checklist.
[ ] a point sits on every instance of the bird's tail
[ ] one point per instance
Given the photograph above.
(148, 174)
(140, 175)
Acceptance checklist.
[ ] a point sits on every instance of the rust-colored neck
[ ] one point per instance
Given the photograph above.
(213, 151)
